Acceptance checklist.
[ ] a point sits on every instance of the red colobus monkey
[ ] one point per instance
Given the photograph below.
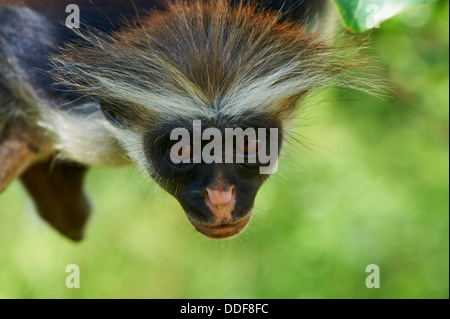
(111, 92)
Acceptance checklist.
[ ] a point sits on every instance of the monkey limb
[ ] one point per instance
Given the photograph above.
(19, 149)
(58, 196)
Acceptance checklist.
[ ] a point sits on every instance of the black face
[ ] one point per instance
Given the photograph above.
(217, 197)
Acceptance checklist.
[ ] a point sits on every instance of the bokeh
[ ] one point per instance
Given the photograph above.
(364, 181)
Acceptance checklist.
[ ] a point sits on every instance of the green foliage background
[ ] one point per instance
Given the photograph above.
(367, 182)
(356, 14)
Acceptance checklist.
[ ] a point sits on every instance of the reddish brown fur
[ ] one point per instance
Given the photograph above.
(204, 55)
(209, 48)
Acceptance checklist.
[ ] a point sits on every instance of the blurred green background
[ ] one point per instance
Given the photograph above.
(366, 182)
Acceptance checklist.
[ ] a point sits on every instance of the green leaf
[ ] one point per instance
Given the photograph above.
(361, 15)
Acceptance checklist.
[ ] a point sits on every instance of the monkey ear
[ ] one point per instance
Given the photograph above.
(58, 195)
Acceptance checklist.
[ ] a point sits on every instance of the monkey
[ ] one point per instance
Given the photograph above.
(110, 93)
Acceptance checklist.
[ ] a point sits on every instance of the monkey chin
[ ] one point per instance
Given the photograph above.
(221, 231)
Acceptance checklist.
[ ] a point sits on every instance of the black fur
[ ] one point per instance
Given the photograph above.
(297, 10)
(29, 35)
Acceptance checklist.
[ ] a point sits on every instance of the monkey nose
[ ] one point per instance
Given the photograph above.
(221, 201)
(220, 198)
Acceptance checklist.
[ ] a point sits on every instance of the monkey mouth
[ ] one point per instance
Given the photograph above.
(221, 231)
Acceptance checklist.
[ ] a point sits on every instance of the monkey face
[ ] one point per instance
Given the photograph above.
(217, 196)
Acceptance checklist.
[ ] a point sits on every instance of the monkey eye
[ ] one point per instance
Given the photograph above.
(181, 153)
(248, 146)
